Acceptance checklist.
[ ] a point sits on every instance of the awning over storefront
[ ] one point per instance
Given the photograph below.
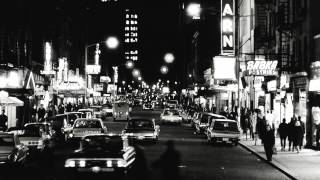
(5, 100)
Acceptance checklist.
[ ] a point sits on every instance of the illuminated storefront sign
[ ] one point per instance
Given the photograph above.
(115, 74)
(224, 68)
(272, 85)
(314, 84)
(93, 69)
(227, 27)
(105, 79)
(262, 68)
(98, 87)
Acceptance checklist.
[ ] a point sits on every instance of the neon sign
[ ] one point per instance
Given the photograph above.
(227, 27)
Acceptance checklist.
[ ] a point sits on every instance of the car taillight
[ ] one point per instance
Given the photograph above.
(82, 163)
(70, 163)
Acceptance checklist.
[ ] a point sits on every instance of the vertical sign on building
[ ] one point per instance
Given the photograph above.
(131, 35)
(227, 27)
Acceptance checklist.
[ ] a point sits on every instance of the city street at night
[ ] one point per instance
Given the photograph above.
(159, 89)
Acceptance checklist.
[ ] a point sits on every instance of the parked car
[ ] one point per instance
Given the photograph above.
(102, 153)
(141, 129)
(148, 106)
(205, 120)
(11, 150)
(170, 116)
(223, 130)
(85, 126)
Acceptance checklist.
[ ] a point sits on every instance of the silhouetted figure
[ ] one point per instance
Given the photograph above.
(291, 132)
(297, 135)
(283, 132)
(169, 163)
(269, 141)
(3, 121)
(303, 132)
(41, 113)
(140, 168)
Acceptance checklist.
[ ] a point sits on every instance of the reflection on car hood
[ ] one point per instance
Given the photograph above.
(139, 130)
(5, 150)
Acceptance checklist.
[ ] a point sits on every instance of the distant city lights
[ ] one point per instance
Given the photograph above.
(112, 42)
(164, 69)
(169, 58)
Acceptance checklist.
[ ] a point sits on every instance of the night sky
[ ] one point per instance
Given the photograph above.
(162, 28)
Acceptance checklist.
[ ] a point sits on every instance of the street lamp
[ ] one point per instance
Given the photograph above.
(190, 75)
(164, 69)
(129, 64)
(194, 10)
(139, 78)
(136, 73)
(112, 42)
(168, 58)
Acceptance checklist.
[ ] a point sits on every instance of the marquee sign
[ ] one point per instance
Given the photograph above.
(262, 68)
(93, 69)
(227, 27)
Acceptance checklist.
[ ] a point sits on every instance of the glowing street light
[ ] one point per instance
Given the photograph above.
(112, 42)
(175, 82)
(123, 82)
(194, 10)
(168, 58)
(139, 78)
(129, 64)
(168, 81)
(136, 73)
(190, 75)
(164, 69)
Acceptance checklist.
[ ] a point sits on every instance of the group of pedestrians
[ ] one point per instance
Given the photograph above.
(294, 132)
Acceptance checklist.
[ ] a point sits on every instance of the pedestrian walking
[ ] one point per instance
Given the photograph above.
(61, 108)
(41, 113)
(252, 124)
(260, 126)
(297, 135)
(269, 141)
(290, 128)
(303, 132)
(283, 133)
(3, 121)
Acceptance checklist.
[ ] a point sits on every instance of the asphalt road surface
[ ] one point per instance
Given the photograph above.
(199, 161)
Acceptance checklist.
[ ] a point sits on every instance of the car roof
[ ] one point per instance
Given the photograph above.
(87, 109)
(228, 120)
(88, 119)
(212, 114)
(103, 135)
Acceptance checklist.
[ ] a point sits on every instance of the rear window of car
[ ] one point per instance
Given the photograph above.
(87, 124)
(225, 126)
(6, 141)
(140, 124)
(103, 143)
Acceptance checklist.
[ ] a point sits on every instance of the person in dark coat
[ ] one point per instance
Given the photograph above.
(169, 163)
(283, 132)
(3, 121)
(303, 132)
(297, 132)
(61, 109)
(41, 113)
(140, 168)
(268, 141)
(290, 128)
(260, 126)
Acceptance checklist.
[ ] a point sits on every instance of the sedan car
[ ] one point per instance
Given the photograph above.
(102, 153)
(148, 106)
(11, 150)
(205, 120)
(34, 135)
(84, 126)
(223, 130)
(140, 129)
(170, 116)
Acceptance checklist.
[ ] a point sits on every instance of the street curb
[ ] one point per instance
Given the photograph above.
(277, 166)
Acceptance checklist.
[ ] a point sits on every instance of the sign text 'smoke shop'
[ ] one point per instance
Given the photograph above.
(262, 68)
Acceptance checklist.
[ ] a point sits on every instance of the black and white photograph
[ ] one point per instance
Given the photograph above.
(159, 90)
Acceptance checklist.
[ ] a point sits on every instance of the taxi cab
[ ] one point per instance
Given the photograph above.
(102, 153)
(205, 120)
(86, 126)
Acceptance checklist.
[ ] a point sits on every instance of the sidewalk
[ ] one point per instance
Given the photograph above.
(304, 165)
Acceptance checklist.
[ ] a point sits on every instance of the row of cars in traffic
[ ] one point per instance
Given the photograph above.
(99, 151)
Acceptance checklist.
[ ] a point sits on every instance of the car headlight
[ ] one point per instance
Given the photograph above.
(71, 135)
(109, 163)
(121, 163)
(82, 163)
(70, 163)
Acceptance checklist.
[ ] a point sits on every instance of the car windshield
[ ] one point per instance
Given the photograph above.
(6, 141)
(87, 124)
(171, 112)
(102, 143)
(225, 126)
(140, 124)
(32, 131)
